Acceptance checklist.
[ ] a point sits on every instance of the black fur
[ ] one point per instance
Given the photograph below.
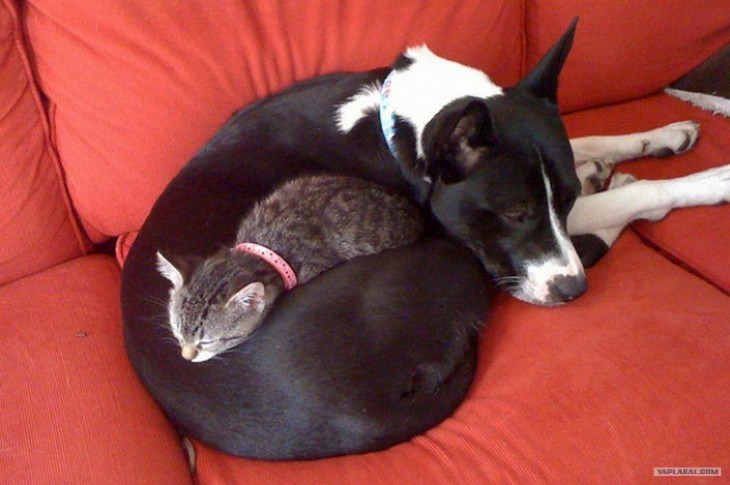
(590, 247)
(370, 353)
(272, 402)
(402, 63)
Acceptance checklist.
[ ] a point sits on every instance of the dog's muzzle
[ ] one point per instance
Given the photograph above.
(566, 288)
(559, 290)
(550, 282)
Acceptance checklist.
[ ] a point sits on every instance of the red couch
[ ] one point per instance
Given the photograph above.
(102, 102)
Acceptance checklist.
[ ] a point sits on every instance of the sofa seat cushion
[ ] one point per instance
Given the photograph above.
(136, 88)
(73, 410)
(629, 377)
(695, 237)
(37, 228)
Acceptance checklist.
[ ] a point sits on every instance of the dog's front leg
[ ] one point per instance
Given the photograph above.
(596, 220)
(596, 156)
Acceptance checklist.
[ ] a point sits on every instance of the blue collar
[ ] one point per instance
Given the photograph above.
(387, 115)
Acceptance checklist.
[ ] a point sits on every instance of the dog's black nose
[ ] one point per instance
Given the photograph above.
(567, 288)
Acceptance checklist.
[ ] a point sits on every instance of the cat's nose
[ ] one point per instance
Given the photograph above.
(189, 352)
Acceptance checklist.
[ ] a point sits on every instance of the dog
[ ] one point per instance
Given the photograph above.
(383, 348)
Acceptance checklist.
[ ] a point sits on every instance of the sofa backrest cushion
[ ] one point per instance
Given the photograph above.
(37, 229)
(625, 49)
(136, 88)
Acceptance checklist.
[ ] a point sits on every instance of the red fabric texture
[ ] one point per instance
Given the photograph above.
(631, 376)
(37, 229)
(696, 237)
(136, 88)
(74, 411)
(626, 49)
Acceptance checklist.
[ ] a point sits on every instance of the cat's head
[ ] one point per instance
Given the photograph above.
(213, 305)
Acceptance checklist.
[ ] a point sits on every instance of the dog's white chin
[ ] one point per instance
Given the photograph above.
(523, 294)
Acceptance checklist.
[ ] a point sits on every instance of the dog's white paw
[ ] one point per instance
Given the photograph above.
(717, 182)
(670, 140)
(708, 187)
(655, 198)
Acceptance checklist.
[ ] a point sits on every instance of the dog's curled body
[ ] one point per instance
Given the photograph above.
(382, 348)
(363, 357)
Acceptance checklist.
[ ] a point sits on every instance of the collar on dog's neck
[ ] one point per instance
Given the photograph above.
(387, 115)
(280, 265)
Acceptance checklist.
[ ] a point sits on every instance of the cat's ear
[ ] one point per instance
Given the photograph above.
(250, 298)
(169, 271)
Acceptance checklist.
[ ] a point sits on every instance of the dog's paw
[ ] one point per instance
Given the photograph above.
(709, 187)
(671, 139)
(593, 175)
(713, 183)
(620, 179)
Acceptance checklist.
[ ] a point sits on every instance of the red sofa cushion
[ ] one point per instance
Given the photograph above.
(37, 229)
(626, 49)
(631, 376)
(135, 88)
(73, 410)
(695, 237)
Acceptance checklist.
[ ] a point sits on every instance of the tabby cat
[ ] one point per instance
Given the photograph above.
(303, 228)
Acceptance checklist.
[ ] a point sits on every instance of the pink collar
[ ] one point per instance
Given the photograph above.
(282, 267)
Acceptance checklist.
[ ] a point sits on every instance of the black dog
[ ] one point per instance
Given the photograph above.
(382, 348)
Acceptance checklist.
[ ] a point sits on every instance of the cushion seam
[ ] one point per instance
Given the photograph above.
(674, 258)
(82, 241)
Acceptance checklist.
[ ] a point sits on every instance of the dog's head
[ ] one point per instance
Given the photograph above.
(503, 180)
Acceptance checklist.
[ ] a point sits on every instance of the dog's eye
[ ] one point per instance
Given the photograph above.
(517, 213)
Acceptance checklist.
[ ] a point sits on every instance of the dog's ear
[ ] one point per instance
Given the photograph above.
(542, 81)
(457, 138)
